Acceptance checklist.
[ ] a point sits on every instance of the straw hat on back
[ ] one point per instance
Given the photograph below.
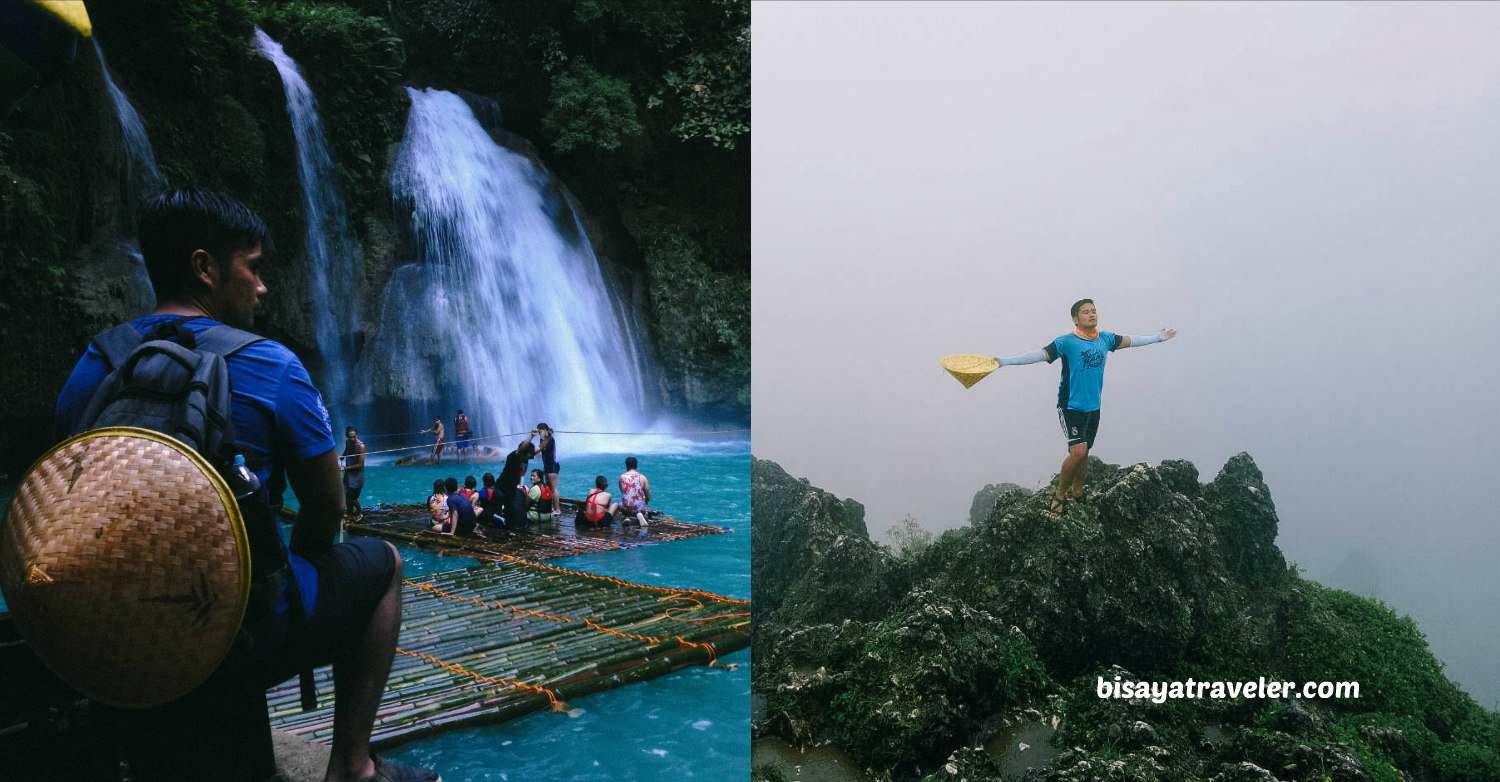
(124, 560)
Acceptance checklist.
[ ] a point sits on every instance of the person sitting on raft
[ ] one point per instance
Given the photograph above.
(596, 506)
(488, 501)
(635, 494)
(539, 496)
(437, 505)
(461, 516)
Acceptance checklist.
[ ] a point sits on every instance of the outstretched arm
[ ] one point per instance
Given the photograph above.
(1048, 353)
(1136, 342)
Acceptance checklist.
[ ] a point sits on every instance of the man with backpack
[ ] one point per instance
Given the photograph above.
(339, 604)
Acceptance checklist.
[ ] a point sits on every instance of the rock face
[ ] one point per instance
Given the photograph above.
(815, 562)
(1151, 578)
(984, 500)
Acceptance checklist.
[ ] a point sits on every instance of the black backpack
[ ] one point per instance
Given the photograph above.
(177, 383)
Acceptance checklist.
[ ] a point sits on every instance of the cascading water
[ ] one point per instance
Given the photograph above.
(333, 264)
(505, 312)
(140, 161)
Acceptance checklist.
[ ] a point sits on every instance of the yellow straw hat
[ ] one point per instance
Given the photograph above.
(969, 368)
(125, 563)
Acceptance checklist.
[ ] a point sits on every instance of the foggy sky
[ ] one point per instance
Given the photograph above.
(1309, 193)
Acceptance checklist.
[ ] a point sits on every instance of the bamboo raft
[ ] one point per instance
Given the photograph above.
(409, 525)
(492, 642)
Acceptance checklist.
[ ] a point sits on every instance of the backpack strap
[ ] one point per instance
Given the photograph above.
(226, 340)
(116, 344)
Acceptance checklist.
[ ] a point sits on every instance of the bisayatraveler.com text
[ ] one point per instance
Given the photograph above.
(1159, 692)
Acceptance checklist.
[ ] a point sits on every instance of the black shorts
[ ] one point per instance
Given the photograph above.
(352, 578)
(1078, 426)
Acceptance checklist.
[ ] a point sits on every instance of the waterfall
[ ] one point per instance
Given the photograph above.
(504, 311)
(140, 161)
(333, 266)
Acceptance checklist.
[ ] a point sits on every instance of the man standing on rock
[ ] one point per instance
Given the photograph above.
(1082, 353)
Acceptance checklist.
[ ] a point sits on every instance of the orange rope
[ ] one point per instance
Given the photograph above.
(713, 656)
(697, 605)
(557, 705)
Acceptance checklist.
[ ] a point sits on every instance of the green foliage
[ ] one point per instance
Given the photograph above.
(711, 90)
(1463, 761)
(590, 110)
(1338, 636)
(702, 318)
(353, 63)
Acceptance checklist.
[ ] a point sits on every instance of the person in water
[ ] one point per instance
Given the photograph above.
(595, 508)
(539, 499)
(437, 505)
(547, 448)
(202, 252)
(461, 436)
(635, 494)
(1083, 353)
(437, 447)
(461, 517)
(354, 473)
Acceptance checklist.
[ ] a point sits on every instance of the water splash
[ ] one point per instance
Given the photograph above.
(333, 262)
(140, 161)
(505, 312)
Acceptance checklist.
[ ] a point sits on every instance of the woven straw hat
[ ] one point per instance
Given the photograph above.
(125, 563)
(969, 368)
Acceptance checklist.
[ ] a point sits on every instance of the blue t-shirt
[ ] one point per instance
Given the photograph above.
(1082, 368)
(278, 414)
(462, 513)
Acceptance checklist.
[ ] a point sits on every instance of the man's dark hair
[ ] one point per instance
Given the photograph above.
(469, 482)
(630, 462)
(175, 223)
(489, 479)
(1078, 305)
(601, 483)
(437, 486)
(349, 429)
(526, 449)
(452, 485)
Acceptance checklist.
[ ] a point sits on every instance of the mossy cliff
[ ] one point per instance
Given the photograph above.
(912, 660)
(641, 109)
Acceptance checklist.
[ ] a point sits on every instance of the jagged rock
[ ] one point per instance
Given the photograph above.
(984, 500)
(811, 559)
(1180, 476)
(1151, 570)
(1242, 511)
(1129, 576)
